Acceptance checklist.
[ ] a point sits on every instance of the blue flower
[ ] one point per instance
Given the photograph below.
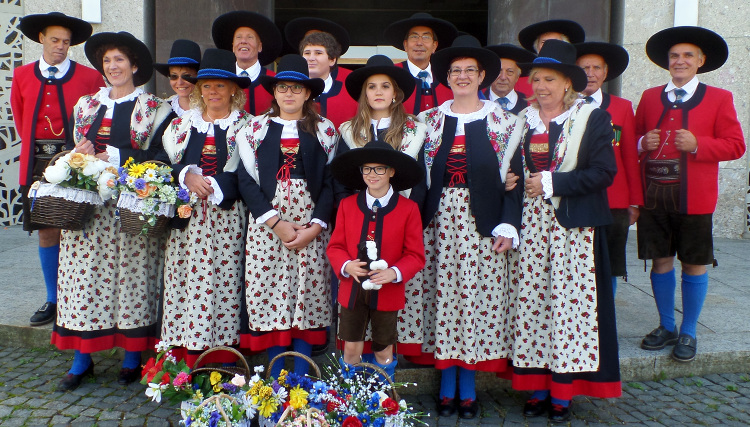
(379, 422)
(183, 195)
(229, 387)
(364, 419)
(188, 421)
(374, 402)
(292, 380)
(340, 418)
(276, 416)
(167, 178)
(139, 184)
(123, 179)
(275, 386)
(214, 420)
(320, 387)
(306, 383)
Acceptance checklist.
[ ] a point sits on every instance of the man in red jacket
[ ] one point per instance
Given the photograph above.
(420, 36)
(685, 128)
(603, 62)
(43, 94)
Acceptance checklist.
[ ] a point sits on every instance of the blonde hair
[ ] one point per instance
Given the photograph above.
(570, 97)
(361, 121)
(196, 99)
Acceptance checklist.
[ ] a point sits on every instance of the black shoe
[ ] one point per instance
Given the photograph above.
(71, 381)
(128, 375)
(535, 407)
(46, 314)
(684, 350)
(446, 407)
(468, 409)
(559, 414)
(658, 339)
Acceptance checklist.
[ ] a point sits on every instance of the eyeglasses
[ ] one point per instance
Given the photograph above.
(283, 88)
(183, 76)
(415, 37)
(379, 170)
(470, 72)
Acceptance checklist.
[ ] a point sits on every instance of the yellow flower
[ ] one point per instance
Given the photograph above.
(282, 377)
(137, 170)
(268, 407)
(265, 392)
(297, 397)
(255, 389)
(129, 162)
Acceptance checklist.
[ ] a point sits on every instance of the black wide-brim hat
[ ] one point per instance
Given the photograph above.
(225, 25)
(379, 64)
(512, 52)
(615, 56)
(559, 56)
(293, 68)
(713, 46)
(395, 34)
(144, 62)
(345, 167)
(295, 31)
(184, 53)
(219, 64)
(572, 29)
(465, 47)
(32, 25)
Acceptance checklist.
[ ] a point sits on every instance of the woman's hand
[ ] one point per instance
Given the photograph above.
(85, 147)
(533, 185)
(502, 244)
(355, 269)
(103, 156)
(284, 230)
(305, 235)
(381, 277)
(511, 180)
(198, 184)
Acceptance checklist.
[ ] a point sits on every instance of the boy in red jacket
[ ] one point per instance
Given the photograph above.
(392, 225)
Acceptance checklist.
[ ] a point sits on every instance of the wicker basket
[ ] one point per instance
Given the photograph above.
(131, 222)
(243, 369)
(187, 408)
(295, 354)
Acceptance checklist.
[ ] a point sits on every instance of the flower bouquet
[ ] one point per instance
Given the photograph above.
(149, 199)
(73, 184)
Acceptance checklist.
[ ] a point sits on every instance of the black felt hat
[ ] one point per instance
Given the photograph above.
(184, 53)
(572, 29)
(512, 52)
(559, 56)
(295, 31)
(466, 46)
(32, 25)
(345, 167)
(713, 46)
(379, 64)
(225, 25)
(293, 68)
(615, 56)
(144, 62)
(219, 64)
(395, 34)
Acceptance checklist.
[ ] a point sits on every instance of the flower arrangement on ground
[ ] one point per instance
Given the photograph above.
(83, 172)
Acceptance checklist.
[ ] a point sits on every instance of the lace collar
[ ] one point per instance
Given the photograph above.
(480, 114)
(535, 122)
(202, 126)
(104, 98)
(174, 101)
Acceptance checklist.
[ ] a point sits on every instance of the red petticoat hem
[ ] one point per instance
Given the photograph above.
(404, 349)
(107, 342)
(562, 391)
(259, 341)
(495, 365)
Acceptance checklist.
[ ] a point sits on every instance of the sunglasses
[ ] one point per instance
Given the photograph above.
(183, 76)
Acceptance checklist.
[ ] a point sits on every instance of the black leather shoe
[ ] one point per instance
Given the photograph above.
(468, 409)
(559, 414)
(71, 381)
(684, 350)
(658, 339)
(446, 407)
(46, 314)
(535, 407)
(128, 375)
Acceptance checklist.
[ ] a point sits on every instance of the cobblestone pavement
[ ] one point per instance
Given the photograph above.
(28, 378)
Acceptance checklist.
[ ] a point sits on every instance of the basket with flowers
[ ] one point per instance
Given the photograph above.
(73, 185)
(149, 198)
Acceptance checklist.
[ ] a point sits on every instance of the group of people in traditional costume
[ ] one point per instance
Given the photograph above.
(498, 206)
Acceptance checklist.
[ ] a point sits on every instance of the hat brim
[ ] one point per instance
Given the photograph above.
(441, 62)
(615, 56)
(575, 73)
(395, 34)
(514, 53)
(713, 46)
(225, 25)
(295, 31)
(571, 29)
(357, 78)
(163, 69)
(345, 167)
(144, 61)
(315, 85)
(32, 25)
(242, 82)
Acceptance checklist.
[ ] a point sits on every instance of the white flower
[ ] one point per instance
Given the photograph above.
(151, 176)
(238, 380)
(105, 191)
(258, 369)
(91, 169)
(162, 346)
(281, 394)
(57, 173)
(130, 181)
(154, 391)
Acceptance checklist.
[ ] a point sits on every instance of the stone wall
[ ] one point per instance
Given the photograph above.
(728, 18)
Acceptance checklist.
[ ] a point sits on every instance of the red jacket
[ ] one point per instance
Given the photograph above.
(437, 94)
(260, 101)
(336, 105)
(626, 190)
(398, 233)
(710, 115)
(32, 98)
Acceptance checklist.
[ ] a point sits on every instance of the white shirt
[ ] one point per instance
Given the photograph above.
(414, 70)
(598, 98)
(253, 72)
(381, 124)
(512, 98)
(62, 68)
(689, 87)
(328, 84)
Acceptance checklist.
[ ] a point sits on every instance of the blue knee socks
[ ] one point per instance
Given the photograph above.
(49, 259)
(563, 403)
(448, 383)
(663, 286)
(539, 394)
(614, 286)
(132, 360)
(81, 362)
(466, 384)
(300, 364)
(279, 365)
(694, 289)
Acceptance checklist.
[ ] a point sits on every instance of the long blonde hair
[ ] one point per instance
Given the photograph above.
(361, 122)
(196, 99)
(569, 98)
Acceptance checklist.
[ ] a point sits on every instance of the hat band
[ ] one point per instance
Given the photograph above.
(181, 60)
(291, 75)
(216, 72)
(545, 60)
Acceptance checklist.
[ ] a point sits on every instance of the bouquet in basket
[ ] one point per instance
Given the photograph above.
(84, 172)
